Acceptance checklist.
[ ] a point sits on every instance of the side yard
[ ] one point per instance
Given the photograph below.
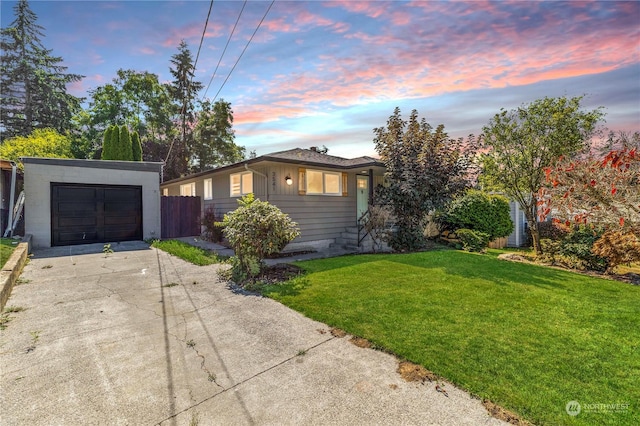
(529, 338)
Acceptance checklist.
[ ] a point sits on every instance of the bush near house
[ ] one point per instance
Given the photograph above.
(481, 212)
(213, 230)
(255, 230)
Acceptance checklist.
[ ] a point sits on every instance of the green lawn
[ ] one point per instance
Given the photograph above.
(6, 248)
(528, 338)
(186, 251)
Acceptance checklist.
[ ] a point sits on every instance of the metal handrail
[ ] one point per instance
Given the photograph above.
(361, 222)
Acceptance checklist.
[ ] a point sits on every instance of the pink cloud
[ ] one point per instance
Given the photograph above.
(192, 33)
(147, 51)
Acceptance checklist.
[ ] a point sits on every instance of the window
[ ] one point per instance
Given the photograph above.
(188, 189)
(165, 191)
(241, 184)
(324, 183)
(208, 189)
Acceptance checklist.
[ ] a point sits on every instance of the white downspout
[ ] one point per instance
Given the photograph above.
(12, 196)
(266, 179)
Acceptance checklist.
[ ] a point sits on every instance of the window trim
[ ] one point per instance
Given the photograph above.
(243, 191)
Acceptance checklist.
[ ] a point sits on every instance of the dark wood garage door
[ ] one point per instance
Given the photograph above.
(83, 214)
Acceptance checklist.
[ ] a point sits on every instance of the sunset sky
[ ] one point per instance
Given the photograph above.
(326, 73)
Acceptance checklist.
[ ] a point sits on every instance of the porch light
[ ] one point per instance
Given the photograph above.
(288, 180)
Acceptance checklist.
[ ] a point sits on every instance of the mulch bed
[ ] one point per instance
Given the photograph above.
(630, 277)
(279, 273)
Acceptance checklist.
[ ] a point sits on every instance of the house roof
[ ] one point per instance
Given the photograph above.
(309, 156)
(306, 157)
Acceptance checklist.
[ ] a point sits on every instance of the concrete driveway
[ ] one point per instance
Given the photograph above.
(139, 337)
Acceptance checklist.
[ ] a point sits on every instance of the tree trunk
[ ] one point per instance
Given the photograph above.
(531, 216)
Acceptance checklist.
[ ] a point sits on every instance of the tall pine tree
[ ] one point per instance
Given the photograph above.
(32, 81)
(183, 91)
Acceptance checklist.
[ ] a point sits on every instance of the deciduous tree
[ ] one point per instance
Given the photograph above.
(425, 170)
(46, 143)
(520, 143)
(213, 143)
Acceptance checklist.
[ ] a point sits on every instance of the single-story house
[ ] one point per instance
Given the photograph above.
(70, 201)
(324, 194)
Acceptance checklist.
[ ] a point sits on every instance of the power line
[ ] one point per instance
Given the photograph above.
(245, 48)
(225, 49)
(204, 31)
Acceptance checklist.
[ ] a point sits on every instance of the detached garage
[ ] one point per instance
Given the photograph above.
(91, 201)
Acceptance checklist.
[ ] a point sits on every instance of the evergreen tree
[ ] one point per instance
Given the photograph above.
(183, 91)
(136, 147)
(115, 142)
(125, 151)
(107, 145)
(32, 80)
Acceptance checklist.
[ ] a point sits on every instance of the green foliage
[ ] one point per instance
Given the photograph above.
(136, 147)
(195, 255)
(183, 90)
(46, 143)
(425, 170)
(107, 143)
(471, 240)
(213, 143)
(213, 231)
(255, 230)
(125, 152)
(34, 82)
(118, 144)
(521, 142)
(574, 250)
(136, 99)
(6, 248)
(481, 212)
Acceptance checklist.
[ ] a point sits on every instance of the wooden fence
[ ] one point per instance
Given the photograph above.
(180, 217)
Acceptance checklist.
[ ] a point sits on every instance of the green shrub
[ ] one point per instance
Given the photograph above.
(255, 230)
(576, 248)
(136, 147)
(213, 230)
(471, 240)
(481, 212)
(550, 231)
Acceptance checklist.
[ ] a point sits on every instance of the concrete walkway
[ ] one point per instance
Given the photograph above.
(138, 337)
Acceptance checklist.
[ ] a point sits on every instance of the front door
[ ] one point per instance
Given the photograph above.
(363, 194)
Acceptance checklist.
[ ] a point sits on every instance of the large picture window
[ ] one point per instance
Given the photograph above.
(324, 183)
(241, 184)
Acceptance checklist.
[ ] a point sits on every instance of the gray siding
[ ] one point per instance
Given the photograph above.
(320, 217)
